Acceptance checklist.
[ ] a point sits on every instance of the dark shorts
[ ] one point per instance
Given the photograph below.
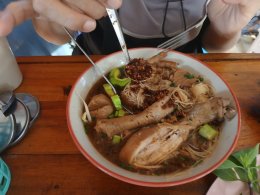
(103, 40)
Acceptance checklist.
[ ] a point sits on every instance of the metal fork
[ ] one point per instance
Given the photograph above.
(182, 38)
(97, 69)
(112, 14)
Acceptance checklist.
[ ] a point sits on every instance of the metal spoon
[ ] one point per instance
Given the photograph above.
(112, 14)
(97, 69)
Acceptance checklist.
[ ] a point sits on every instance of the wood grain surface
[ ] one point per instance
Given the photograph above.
(47, 161)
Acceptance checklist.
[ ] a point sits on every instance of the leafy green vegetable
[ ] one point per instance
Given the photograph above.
(241, 166)
(228, 164)
(228, 174)
(248, 156)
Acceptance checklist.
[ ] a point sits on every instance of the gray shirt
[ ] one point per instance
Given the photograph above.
(144, 18)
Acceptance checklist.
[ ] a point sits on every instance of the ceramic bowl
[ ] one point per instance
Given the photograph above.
(224, 147)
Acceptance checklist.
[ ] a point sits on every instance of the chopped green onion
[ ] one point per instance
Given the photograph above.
(197, 162)
(189, 76)
(173, 84)
(201, 79)
(108, 89)
(208, 132)
(117, 113)
(103, 135)
(114, 78)
(116, 139)
(111, 116)
(125, 166)
(117, 102)
(121, 113)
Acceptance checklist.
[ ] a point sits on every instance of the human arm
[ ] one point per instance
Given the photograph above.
(227, 18)
(49, 16)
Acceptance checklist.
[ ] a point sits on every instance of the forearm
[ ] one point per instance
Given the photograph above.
(214, 41)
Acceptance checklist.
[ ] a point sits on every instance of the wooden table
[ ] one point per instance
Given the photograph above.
(48, 162)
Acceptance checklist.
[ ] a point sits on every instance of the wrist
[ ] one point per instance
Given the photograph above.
(224, 32)
(215, 41)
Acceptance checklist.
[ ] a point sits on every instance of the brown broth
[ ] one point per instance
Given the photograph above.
(111, 151)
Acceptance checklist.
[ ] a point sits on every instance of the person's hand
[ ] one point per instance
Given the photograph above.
(230, 16)
(227, 19)
(49, 16)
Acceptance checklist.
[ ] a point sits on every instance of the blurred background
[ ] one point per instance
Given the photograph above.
(24, 41)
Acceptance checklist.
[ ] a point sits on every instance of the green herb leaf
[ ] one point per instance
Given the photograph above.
(226, 174)
(234, 160)
(242, 174)
(247, 156)
(231, 171)
(241, 166)
(256, 186)
(253, 176)
(257, 167)
(228, 164)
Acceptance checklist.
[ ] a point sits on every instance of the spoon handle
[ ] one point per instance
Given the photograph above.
(97, 69)
(112, 14)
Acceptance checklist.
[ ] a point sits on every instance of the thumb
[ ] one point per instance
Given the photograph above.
(14, 14)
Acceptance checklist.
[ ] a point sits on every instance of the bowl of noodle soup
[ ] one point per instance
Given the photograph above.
(156, 171)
